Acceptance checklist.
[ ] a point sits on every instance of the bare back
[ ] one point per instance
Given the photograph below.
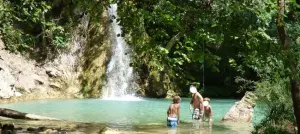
(173, 110)
(197, 100)
(208, 111)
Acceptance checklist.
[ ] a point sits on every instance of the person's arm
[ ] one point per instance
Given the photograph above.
(210, 116)
(210, 112)
(200, 97)
(201, 100)
(191, 107)
(178, 114)
(168, 112)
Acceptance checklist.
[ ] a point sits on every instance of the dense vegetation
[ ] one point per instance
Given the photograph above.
(248, 44)
(251, 44)
(42, 28)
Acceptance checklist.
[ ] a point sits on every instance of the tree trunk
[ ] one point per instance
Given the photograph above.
(295, 83)
(296, 101)
(20, 115)
(12, 113)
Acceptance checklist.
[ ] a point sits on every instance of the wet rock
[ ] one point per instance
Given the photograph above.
(8, 129)
(4, 126)
(18, 128)
(159, 84)
(242, 111)
(30, 129)
(41, 129)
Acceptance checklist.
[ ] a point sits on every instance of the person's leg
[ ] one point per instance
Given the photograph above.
(201, 109)
(168, 122)
(174, 122)
(196, 114)
(210, 121)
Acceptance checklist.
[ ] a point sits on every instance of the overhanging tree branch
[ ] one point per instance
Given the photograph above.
(174, 40)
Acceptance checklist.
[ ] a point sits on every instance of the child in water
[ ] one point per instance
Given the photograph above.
(207, 110)
(174, 112)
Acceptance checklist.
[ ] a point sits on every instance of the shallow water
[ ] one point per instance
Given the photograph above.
(148, 115)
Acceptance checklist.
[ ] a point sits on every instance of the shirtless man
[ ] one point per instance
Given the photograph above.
(174, 112)
(196, 104)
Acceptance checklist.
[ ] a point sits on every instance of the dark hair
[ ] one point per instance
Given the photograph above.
(176, 99)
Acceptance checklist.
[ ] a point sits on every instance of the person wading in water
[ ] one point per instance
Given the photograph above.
(174, 112)
(196, 105)
(207, 111)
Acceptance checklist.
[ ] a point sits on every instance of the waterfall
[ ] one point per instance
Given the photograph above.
(120, 80)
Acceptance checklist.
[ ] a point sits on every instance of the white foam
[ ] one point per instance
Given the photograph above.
(124, 98)
(120, 78)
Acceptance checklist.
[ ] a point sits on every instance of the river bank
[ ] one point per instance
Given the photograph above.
(29, 126)
(26, 126)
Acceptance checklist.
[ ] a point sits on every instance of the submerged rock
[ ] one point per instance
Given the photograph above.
(242, 111)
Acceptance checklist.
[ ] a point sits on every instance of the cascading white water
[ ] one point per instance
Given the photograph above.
(120, 82)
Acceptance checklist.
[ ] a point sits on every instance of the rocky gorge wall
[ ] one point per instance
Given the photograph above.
(76, 73)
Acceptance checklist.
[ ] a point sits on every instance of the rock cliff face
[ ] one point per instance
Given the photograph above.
(96, 56)
(157, 84)
(69, 75)
(22, 77)
(242, 111)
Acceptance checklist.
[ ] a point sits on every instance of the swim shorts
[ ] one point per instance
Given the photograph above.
(197, 114)
(172, 122)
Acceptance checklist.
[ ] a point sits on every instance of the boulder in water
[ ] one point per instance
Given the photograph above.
(242, 111)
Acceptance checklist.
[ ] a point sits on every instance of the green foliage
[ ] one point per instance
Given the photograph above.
(187, 36)
(273, 92)
(43, 27)
(27, 25)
